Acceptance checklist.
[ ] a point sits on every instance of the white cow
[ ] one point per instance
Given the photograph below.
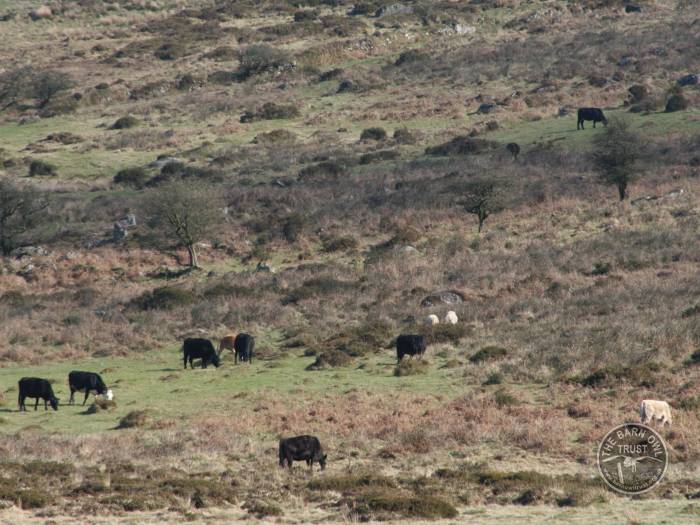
(652, 409)
(450, 318)
(432, 320)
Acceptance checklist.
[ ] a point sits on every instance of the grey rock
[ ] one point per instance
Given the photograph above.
(444, 297)
(394, 9)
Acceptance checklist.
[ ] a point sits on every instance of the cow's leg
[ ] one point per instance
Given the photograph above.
(289, 461)
(184, 361)
(72, 394)
(21, 403)
(235, 357)
(87, 393)
(46, 404)
(36, 405)
(594, 123)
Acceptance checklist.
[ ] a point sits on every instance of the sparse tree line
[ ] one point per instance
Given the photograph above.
(186, 210)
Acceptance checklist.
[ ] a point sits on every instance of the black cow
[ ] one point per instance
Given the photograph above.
(39, 389)
(203, 349)
(302, 448)
(243, 348)
(408, 344)
(514, 149)
(85, 382)
(594, 114)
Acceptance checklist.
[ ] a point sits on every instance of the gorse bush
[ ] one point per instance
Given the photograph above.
(260, 58)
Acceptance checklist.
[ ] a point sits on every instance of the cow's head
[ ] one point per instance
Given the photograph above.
(215, 360)
(604, 121)
(54, 402)
(322, 461)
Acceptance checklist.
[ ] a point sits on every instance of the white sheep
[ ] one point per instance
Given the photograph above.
(450, 318)
(432, 320)
(652, 410)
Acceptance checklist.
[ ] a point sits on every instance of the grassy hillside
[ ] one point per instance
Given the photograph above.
(338, 141)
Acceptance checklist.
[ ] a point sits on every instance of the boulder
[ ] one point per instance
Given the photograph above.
(394, 9)
(444, 297)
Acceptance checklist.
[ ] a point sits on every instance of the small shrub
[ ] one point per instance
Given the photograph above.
(32, 499)
(488, 353)
(694, 358)
(134, 419)
(676, 102)
(348, 482)
(261, 509)
(445, 333)
(41, 168)
(378, 156)
(691, 311)
(323, 170)
(271, 111)
(132, 177)
(462, 145)
(601, 268)
(503, 398)
(125, 122)
(412, 55)
(260, 58)
(342, 243)
(171, 51)
(411, 367)
(330, 359)
(164, 298)
(373, 134)
(305, 16)
(396, 502)
(495, 378)
(276, 136)
(293, 227)
(405, 136)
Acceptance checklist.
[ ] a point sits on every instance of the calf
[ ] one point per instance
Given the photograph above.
(302, 448)
(594, 114)
(408, 344)
(652, 410)
(243, 348)
(87, 382)
(203, 349)
(39, 389)
(226, 343)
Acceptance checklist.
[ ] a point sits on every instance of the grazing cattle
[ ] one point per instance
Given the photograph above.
(302, 448)
(594, 114)
(408, 344)
(450, 317)
(432, 320)
(243, 348)
(196, 348)
(514, 149)
(651, 410)
(39, 389)
(631, 8)
(87, 382)
(226, 343)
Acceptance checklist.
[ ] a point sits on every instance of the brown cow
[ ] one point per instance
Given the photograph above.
(226, 343)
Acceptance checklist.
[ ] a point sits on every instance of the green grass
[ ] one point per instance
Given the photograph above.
(157, 381)
(564, 128)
